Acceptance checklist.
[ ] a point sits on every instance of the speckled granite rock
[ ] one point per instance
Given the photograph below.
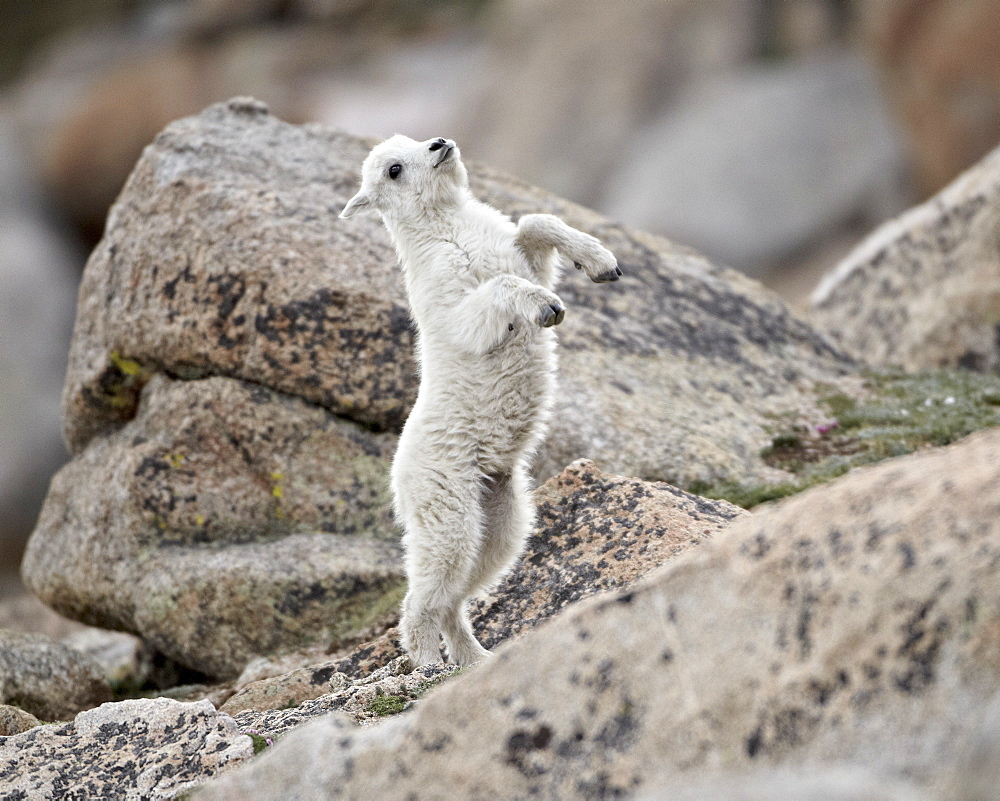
(225, 521)
(47, 679)
(923, 290)
(857, 622)
(385, 692)
(142, 750)
(14, 720)
(596, 532)
(224, 256)
(287, 689)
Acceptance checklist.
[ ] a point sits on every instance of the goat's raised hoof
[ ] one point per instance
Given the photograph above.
(551, 315)
(607, 277)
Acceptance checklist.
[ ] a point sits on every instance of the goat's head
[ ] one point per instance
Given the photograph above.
(403, 179)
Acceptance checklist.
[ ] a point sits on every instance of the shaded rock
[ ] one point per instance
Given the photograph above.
(224, 256)
(147, 749)
(367, 658)
(923, 290)
(940, 64)
(758, 167)
(267, 667)
(215, 694)
(856, 623)
(224, 522)
(48, 679)
(14, 720)
(123, 658)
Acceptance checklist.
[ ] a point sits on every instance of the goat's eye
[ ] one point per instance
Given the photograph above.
(395, 170)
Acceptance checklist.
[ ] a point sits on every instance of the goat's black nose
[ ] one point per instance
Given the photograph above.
(438, 144)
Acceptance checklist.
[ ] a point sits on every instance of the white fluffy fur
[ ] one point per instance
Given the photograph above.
(480, 289)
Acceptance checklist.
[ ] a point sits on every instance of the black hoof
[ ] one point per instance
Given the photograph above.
(608, 277)
(552, 315)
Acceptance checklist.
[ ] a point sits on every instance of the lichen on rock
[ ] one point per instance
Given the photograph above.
(148, 749)
(171, 528)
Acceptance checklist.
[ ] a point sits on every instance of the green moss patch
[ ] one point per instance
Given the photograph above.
(260, 743)
(899, 413)
(382, 705)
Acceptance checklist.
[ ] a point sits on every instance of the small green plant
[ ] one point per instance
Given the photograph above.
(383, 705)
(260, 741)
(786, 441)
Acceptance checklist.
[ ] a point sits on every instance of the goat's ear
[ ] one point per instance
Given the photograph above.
(360, 202)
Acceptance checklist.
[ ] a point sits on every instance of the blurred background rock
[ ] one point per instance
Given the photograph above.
(769, 134)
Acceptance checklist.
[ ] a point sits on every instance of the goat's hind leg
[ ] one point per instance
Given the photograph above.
(443, 533)
(508, 517)
(537, 234)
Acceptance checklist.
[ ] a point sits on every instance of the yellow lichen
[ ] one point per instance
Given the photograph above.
(126, 366)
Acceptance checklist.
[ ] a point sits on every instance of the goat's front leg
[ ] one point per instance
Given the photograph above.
(488, 314)
(538, 234)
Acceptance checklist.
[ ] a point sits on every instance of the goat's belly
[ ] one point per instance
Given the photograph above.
(493, 411)
(509, 423)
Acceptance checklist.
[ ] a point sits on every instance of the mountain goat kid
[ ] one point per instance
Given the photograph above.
(480, 292)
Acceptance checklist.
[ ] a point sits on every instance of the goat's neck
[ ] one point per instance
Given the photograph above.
(413, 235)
